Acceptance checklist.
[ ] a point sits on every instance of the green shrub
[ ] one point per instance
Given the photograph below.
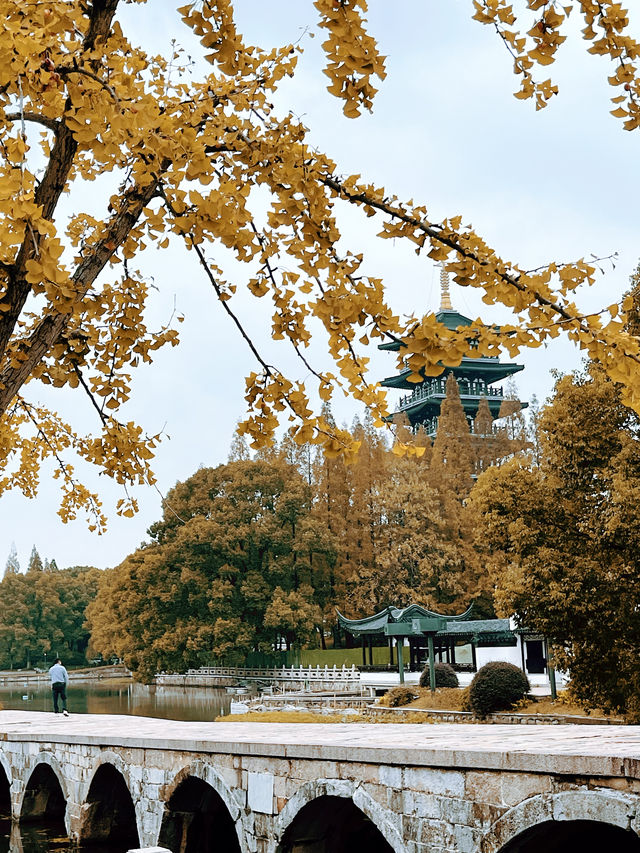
(445, 676)
(497, 686)
(398, 696)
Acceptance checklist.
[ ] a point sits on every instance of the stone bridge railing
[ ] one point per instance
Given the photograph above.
(310, 678)
(138, 783)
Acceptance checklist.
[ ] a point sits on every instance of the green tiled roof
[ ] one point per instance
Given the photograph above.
(479, 626)
(375, 624)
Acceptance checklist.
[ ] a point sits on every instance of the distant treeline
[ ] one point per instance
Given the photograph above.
(43, 614)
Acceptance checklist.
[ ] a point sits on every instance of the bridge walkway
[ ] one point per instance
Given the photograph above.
(280, 787)
(563, 748)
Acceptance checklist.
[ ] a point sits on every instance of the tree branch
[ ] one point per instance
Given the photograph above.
(434, 232)
(47, 332)
(65, 72)
(28, 115)
(47, 196)
(101, 414)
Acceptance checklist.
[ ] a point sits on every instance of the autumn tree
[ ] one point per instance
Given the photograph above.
(633, 313)
(294, 615)
(511, 418)
(79, 99)
(423, 555)
(563, 538)
(533, 429)
(401, 530)
(356, 566)
(239, 450)
(489, 441)
(229, 570)
(331, 478)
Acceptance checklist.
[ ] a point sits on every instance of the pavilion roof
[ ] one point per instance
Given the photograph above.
(479, 626)
(376, 624)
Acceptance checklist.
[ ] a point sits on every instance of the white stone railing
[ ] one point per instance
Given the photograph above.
(293, 673)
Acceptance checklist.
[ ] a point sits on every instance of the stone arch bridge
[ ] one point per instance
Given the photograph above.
(131, 783)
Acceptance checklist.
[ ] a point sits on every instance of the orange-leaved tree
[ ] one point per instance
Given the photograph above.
(79, 99)
(561, 539)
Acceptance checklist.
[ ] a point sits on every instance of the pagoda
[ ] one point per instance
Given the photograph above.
(476, 377)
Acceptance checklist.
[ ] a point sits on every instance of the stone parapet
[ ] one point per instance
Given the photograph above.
(419, 787)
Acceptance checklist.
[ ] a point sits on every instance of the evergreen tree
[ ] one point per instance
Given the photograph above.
(331, 508)
(485, 441)
(13, 566)
(35, 563)
(294, 615)
(452, 463)
(357, 560)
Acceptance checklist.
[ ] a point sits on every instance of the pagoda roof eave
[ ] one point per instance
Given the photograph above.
(449, 317)
(492, 371)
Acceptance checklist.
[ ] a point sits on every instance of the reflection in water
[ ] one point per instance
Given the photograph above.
(41, 838)
(38, 837)
(111, 696)
(116, 696)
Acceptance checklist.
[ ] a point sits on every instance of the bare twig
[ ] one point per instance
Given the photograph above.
(81, 380)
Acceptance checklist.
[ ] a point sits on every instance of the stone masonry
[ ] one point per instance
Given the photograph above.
(426, 788)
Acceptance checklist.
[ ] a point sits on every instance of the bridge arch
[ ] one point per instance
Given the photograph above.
(6, 784)
(107, 756)
(316, 802)
(45, 793)
(201, 813)
(108, 814)
(537, 820)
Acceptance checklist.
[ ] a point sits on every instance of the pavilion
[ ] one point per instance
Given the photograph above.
(463, 642)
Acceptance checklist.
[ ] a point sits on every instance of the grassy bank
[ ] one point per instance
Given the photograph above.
(444, 699)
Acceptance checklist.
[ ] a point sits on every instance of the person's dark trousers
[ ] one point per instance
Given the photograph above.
(58, 688)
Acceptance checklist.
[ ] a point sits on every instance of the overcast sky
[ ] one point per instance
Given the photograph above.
(446, 131)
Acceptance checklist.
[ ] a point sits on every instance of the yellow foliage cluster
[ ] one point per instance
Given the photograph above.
(606, 28)
(353, 57)
(185, 156)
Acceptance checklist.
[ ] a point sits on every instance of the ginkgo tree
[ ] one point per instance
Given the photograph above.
(79, 99)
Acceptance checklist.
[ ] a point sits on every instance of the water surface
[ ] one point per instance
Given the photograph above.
(110, 696)
(121, 696)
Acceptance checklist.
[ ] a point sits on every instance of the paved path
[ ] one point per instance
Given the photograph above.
(564, 749)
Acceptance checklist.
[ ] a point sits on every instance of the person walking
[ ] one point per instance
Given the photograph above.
(59, 680)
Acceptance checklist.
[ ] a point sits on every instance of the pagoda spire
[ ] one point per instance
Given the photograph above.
(445, 296)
